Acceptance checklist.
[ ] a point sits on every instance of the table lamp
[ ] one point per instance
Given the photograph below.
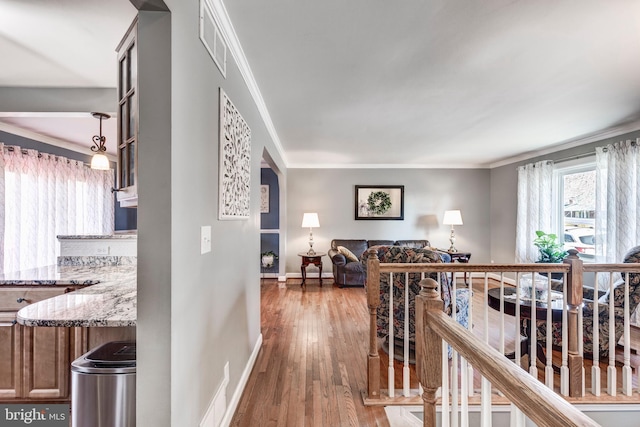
(310, 219)
(452, 218)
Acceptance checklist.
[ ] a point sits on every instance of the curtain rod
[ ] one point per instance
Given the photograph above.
(576, 157)
(24, 151)
(590, 153)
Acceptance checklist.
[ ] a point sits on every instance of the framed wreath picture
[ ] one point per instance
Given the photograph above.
(379, 202)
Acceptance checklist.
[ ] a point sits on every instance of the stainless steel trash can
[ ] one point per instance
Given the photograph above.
(103, 386)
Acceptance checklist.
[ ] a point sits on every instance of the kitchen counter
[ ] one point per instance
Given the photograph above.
(97, 236)
(109, 298)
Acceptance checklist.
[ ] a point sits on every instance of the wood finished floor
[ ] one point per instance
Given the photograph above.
(310, 370)
(312, 366)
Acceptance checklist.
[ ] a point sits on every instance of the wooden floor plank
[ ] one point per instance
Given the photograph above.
(311, 368)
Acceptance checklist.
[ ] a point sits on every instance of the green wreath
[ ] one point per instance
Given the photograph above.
(379, 202)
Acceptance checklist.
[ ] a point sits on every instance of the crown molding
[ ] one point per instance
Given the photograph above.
(15, 130)
(571, 143)
(221, 17)
(228, 33)
(385, 166)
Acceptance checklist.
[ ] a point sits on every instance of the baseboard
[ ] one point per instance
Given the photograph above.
(273, 276)
(218, 405)
(237, 394)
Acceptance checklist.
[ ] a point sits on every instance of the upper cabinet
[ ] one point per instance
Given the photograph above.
(128, 118)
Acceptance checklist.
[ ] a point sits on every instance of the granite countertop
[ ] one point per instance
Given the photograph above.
(98, 236)
(110, 300)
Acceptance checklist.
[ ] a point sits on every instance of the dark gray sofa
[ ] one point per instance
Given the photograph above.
(352, 273)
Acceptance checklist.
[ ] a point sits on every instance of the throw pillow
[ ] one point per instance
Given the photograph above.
(347, 253)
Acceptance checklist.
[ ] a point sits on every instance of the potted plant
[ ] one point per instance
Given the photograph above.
(550, 249)
(268, 259)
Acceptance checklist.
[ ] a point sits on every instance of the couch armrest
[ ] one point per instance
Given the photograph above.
(443, 255)
(336, 257)
(588, 293)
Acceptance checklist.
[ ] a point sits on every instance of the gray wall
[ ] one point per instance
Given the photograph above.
(196, 312)
(427, 192)
(57, 100)
(504, 197)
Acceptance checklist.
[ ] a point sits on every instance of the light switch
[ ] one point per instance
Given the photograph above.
(205, 239)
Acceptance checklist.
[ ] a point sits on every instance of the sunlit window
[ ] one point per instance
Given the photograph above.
(575, 205)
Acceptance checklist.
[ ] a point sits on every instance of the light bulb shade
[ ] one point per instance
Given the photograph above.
(310, 219)
(453, 217)
(100, 162)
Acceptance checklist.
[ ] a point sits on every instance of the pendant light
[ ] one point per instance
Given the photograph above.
(99, 159)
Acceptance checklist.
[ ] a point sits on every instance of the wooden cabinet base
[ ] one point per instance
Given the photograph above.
(10, 357)
(46, 364)
(35, 362)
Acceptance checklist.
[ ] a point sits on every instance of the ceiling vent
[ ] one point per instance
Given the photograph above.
(212, 38)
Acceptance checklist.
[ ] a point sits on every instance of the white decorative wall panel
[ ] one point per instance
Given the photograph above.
(235, 162)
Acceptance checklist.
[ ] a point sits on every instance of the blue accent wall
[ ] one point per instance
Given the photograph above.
(270, 242)
(271, 220)
(125, 218)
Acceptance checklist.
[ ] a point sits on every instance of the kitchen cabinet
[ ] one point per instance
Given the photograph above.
(34, 361)
(10, 357)
(128, 118)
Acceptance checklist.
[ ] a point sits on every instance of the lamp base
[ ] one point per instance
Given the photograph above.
(311, 251)
(452, 239)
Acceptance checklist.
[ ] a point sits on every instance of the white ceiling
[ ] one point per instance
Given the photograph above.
(440, 82)
(448, 83)
(62, 43)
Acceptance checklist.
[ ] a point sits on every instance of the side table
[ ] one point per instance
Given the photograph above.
(315, 259)
(462, 257)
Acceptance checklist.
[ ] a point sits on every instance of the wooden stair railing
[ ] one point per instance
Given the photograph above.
(572, 368)
(538, 402)
(375, 268)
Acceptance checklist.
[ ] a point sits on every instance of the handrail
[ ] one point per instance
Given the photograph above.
(573, 269)
(471, 268)
(537, 401)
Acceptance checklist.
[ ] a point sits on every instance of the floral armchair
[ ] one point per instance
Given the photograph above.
(633, 256)
(397, 254)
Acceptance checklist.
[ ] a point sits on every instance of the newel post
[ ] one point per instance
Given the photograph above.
(428, 348)
(373, 301)
(574, 303)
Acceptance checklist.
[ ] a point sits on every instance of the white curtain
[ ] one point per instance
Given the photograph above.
(534, 207)
(617, 200)
(42, 196)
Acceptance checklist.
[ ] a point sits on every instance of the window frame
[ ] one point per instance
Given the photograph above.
(560, 170)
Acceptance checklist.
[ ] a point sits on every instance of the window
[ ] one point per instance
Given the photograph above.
(45, 195)
(575, 205)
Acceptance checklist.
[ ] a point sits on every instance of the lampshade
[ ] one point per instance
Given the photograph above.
(453, 217)
(310, 219)
(100, 162)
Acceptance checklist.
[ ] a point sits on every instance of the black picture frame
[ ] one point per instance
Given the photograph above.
(394, 196)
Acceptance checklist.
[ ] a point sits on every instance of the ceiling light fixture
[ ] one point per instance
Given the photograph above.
(100, 160)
